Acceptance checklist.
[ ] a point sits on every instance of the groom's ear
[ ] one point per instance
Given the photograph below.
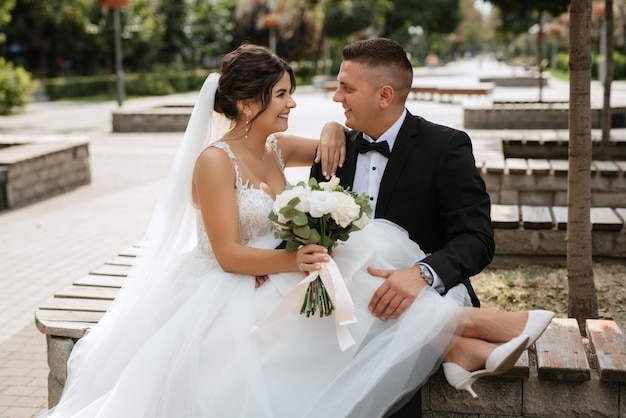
(385, 96)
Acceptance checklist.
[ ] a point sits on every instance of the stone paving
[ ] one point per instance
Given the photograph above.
(47, 245)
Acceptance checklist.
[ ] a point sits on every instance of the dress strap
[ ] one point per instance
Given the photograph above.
(272, 141)
(226, 148)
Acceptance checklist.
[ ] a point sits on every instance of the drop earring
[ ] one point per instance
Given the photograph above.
(247, 125)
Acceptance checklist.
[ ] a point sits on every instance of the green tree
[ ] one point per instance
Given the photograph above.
(5, 16)
(58, 27)
(173, 17)
(512, 9)
(342, 19)
(435, 17)
(475, 32)
(213, 27)
(296, 31)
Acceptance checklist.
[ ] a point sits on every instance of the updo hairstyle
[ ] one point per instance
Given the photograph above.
(249, 73)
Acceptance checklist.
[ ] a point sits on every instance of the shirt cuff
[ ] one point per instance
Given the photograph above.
(438, 284)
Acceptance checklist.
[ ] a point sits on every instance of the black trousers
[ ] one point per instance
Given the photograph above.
(412, 409)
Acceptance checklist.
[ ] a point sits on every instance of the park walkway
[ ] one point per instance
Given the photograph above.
(47, 245)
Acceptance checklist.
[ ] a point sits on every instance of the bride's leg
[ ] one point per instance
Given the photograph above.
(492, 325)
(469, 353)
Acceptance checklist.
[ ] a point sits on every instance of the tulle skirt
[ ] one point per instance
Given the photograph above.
(193, 354)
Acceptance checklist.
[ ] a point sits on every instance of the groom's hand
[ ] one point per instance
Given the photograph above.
(397, 292)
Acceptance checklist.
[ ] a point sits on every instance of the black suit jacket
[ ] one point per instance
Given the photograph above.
(431, 187)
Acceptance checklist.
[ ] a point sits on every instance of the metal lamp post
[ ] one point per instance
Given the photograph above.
(272, 27)
(119, 70)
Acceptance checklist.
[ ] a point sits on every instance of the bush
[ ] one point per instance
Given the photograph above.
(16, 87)
(619, 64)
(163, 80)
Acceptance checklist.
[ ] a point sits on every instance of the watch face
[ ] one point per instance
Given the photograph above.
(427, 275)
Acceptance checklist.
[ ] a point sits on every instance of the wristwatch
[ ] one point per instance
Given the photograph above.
(426, 274)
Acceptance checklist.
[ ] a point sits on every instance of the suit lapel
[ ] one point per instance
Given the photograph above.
(402, 148)
(349, 165)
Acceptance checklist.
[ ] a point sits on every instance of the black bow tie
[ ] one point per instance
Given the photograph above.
(362, 146)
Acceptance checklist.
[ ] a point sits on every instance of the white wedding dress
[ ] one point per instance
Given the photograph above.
(190, 351)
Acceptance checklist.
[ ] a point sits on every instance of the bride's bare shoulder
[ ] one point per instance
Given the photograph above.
(214, 158)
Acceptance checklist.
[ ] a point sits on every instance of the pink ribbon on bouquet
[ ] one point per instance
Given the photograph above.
(338, 292)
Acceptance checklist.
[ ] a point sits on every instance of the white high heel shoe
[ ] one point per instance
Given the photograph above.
(538, 321)
(500, 360)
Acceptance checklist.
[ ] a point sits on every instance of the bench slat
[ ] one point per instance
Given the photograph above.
(606, 168)
(63, 329)
(88, 292)
(560, 217)
(122, 261)
(516, 165)
(111, 270)
(494, 167)
(539, 166)
(132, 251)
(536, 217)
(604, 219)
(621, 212)
(68, 316)
(560, 166)
(76, 304)
(521, 370)
(99, 280)
(608, 340)
(505, 216)
(561, 352)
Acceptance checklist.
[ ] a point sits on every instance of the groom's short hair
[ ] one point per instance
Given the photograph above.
(387, 58)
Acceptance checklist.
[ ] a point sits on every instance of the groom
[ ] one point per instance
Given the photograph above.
(420, 175)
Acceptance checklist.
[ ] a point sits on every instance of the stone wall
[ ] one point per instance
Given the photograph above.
(34, 171)
(544, 182)
(530, 115)
(157, 119)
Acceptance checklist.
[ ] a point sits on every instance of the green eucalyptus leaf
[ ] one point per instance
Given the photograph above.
(315, 237)
(292, 246)
(300, 218)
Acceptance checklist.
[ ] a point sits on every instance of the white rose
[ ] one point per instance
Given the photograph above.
(362, 221)
(346, 211)
(330, 185)
(321, 203)
(286, 196)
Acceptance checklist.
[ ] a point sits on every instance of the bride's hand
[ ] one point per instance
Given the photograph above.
(309, 257)
(260, 280)
(331, 151)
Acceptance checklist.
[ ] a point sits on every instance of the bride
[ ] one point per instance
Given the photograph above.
(178, 341)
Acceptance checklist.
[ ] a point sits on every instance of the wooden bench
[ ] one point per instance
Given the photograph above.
(73, 311)
(531, 115)
(540, 384)
(554, 144)
(537, 234)
(430, 92)
(563, 375)
(330, 86)
(544, 182)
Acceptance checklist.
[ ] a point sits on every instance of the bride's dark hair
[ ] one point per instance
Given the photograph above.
(249, 73)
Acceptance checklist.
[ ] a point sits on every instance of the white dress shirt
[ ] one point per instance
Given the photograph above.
(370, 167)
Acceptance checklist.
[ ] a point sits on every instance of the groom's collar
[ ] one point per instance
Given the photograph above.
(390, 134)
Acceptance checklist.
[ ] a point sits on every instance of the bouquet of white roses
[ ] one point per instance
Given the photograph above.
(318, 213)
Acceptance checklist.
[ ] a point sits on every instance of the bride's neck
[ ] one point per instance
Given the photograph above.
(252, 139)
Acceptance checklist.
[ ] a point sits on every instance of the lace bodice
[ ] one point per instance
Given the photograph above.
(254, 204)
